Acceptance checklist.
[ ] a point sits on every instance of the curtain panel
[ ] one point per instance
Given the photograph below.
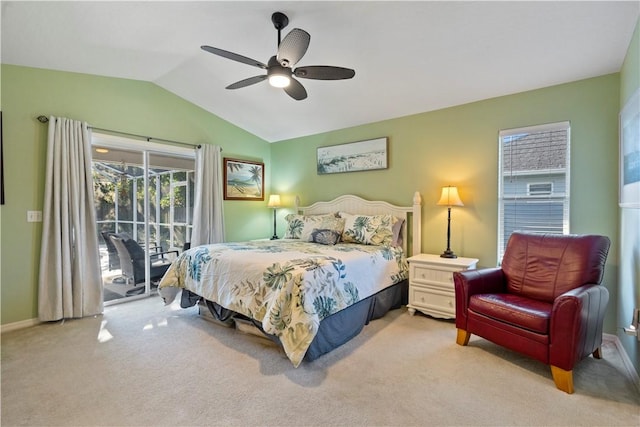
(70, 281)
(208, 213)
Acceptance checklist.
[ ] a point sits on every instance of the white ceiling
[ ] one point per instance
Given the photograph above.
(409, 57)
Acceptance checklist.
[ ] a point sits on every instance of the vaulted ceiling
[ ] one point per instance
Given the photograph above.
(409, 57)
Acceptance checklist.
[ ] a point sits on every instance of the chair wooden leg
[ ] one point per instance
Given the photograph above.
(563, 379)
(597, 353)
(463, 337)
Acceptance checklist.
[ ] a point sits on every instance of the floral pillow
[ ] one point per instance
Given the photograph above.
(370, 229)
(296, 223)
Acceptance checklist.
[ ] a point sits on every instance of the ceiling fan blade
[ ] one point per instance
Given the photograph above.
(324, 72)
(296, 90)
(247, 82)
(293, 47)
(234, 56)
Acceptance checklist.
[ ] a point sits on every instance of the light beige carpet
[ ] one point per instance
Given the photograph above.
(142, 363)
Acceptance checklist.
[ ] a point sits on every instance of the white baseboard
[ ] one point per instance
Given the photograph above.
(631, 370)
(18, 325)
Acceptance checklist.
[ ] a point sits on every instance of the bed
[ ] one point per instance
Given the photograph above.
(341, 264)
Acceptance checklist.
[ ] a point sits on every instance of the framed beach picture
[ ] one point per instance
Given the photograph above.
(629, 187)
(352, 157)
(243, 180)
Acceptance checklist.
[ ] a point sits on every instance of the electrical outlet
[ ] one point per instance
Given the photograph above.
(34, 216)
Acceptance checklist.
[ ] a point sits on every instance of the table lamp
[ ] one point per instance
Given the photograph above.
(449, 197)
(274, 203)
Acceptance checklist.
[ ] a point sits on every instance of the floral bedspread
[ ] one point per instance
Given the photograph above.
(287, 285)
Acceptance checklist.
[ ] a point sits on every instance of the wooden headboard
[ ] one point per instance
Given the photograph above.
(412, 215)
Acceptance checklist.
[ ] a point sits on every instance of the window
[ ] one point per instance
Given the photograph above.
(533, 188)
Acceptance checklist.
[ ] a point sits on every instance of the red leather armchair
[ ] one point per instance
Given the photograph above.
(545, 300)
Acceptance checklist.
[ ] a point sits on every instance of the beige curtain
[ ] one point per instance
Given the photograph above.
(70, 283)
(208, 214)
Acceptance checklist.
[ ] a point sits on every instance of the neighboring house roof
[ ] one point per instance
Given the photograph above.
(535, 152)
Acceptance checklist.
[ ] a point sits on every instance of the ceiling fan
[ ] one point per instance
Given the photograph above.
(279, 68)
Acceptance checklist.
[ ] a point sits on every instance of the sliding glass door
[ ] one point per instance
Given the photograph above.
(144, 208)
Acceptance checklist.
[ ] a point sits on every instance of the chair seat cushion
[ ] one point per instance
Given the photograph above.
(515, 310)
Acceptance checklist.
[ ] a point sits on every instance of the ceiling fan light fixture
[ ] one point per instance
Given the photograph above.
(279, 76)
(279, 80)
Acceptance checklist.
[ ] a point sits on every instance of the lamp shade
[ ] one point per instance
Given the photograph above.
(450, 197)
(274, 201)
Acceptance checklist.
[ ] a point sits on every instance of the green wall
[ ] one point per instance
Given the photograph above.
(459, 146)
(629, 279)
(131, 106)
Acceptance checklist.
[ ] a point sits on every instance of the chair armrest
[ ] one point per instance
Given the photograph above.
(483, 281)
(154, 248)
(160, 255)
(577, 317)
(471, 282)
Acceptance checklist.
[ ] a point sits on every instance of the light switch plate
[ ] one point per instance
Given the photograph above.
(34, 216)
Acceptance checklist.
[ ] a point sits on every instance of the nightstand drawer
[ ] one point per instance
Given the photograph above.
(437, 303)
(429, 275)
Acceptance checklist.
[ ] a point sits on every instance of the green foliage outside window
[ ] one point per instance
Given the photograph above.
(110, 188)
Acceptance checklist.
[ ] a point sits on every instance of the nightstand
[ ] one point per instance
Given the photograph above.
(431, 289)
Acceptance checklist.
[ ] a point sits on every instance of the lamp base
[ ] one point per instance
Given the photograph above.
(448, 254)
(274, 237)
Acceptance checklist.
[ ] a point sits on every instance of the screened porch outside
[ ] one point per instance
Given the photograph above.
(119, 197)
